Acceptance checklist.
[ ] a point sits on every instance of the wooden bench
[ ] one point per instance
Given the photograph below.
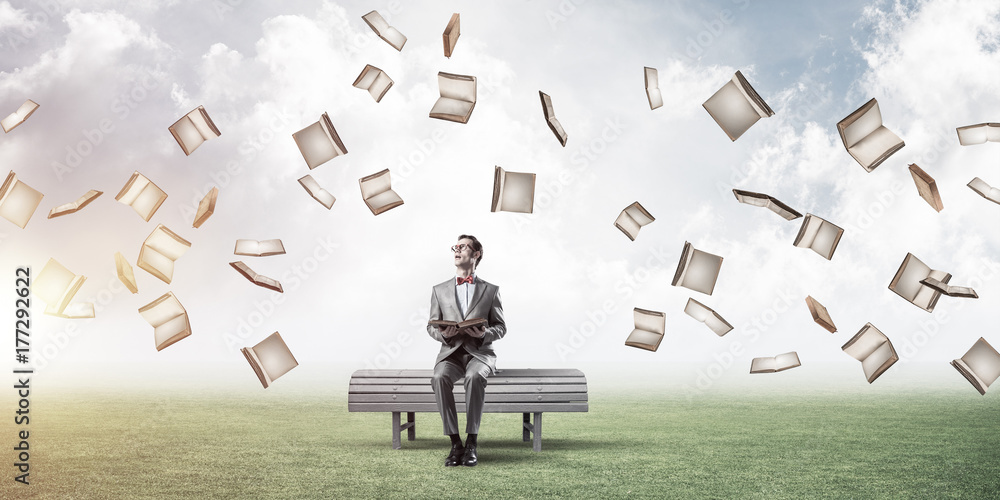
(520, 390)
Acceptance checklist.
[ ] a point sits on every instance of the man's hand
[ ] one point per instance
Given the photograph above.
(475, 331)
(449, 331)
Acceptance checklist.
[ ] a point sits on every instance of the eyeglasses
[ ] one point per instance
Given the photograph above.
(460, 247)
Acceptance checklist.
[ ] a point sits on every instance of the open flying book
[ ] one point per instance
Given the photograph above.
(778, 363)
(469, 323)
(257, 279)
(125, 273)
(926, 187)
(262, 248)
(652, 81)
(458, 98)
(206, 208)
(872, 348)
(697, 270)
(907, 283)
(193, 129)
(270, 358)
(56, 286)
(142, 195)
(706, 315)
(16, 118)
(649, 329)
(168, 319)
(985, 190)
(769, 202)
(978, 134)
(75, 206)
(161, 248)
(951, 291)
(736, 106)
(378, 24)
(318, 193)
(550, 118)
(18, 200)
(513, 191)
(631, 219)
(319, 142)
(451, 34)
(866, 139)
(375, 81)
(820, 315)
(819, 235)
(980, 366)
(376, 190)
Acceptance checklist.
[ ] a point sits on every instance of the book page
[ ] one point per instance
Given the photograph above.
(315, 145)
(861, 123)
(651, 321)
(169, 329)
(627, 225)
(518, 192)
(874, 361)
(457, 87)
(808, 231)
(452, 107)
(167, 242)
(906, 283)
(274, 356)
(731, 110)
(19, 201)
(702, 272)
(786, 361)
(762, 365)
(826, 239)
(639, 214)
(865, 342)
(383, 199)
(644, 337)
(868, 149)
(375, 184)
(162, 310)
(984, 361)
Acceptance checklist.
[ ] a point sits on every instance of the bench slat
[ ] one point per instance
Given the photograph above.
(460, 407)
(493, 380)
(506, 372)
(419, 389)
(460, 398)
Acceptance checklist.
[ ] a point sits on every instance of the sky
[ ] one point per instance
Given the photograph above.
(111, 76)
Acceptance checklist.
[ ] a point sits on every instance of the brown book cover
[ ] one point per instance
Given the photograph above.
(820, 314)
(451, 34)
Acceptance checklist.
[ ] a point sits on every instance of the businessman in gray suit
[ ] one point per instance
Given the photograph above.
(466, 352)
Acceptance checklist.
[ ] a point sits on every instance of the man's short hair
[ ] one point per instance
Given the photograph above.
(476, 245)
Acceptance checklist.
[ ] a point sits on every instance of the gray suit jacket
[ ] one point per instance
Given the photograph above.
(485, 303)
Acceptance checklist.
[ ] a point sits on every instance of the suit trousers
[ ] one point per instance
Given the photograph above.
(460, 363)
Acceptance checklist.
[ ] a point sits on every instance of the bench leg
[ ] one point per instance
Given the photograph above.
(411, 423)
(396, 444)
(526, 435)
(537, 445)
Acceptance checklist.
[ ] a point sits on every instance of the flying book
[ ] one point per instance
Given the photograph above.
(769, 202)
(653, 94)
(458, 98)
(697, 270)
(125, 273)
(18, 200)
(736, 106)
(513, 191)
(778, 363)
(451, 34)
(980, 366)
(706, 315)
(142, 195)
(374, 80)
(391, 35)
(16, 118)
(77, 310)
(257, 279)
(631, 219)
(168, 319)
(550, 118)
(161, 248)
(907, 283)
(57, 286)
(951, 291)
(318, 193)
(985, 190)
(819, 235)
(872, 348)
(866, 139)
(319, 142)
(75, 206)
(978, 134)
(206, 207)
(262, 248)
(469, 323)
(376, 190)
(270, 359)
(820, 315)
(193, 129)
(927, 187)
(649, 329)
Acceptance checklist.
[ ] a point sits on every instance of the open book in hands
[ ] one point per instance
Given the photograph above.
(460, 325)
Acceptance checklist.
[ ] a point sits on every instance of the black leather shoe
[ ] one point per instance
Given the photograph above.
(470, 458)
(456, 456)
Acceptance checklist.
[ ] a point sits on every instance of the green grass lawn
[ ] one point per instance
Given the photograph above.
(935, 445)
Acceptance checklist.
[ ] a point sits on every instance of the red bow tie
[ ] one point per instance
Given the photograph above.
(467, 279)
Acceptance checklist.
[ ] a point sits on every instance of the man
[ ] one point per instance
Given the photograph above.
(465, 352)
